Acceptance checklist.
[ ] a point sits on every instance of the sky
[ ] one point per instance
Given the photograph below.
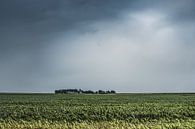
(122, 45)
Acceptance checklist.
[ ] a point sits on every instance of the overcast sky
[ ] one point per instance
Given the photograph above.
(125, 45)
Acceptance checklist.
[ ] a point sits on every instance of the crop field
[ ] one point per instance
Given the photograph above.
(95, 111)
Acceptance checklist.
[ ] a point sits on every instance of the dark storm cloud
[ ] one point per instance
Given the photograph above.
(31, 23)
(47, 16)
(38, 20)
(60, 14)
(65, 14)
(29, 27)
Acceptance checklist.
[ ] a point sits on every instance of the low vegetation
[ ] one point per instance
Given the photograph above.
(97, 111)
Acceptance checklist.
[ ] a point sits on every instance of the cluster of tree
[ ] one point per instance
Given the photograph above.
(65, 91)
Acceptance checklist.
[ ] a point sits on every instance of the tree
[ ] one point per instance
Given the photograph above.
(112, 92)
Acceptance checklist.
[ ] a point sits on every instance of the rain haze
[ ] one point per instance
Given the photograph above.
(124, 45)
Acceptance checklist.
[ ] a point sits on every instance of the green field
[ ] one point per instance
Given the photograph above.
(120, 111)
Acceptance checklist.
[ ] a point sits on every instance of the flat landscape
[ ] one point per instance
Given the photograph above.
(106, 111)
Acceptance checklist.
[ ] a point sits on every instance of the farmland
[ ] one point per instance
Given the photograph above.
(97, 111)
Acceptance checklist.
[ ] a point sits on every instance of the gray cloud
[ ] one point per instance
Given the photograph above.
(133, 46)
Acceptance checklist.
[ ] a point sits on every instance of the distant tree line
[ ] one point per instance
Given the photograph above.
(80, 91)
